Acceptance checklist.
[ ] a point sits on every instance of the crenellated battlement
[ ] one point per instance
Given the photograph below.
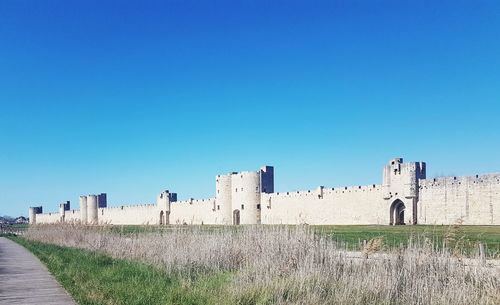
(192, 201)
(137, 205)
(459, 180)
(329, 191)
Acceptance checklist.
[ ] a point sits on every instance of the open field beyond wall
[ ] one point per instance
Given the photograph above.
(464, 239)
(257, 265)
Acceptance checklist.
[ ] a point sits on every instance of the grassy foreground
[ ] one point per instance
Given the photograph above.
(93, 278)
(256, 265)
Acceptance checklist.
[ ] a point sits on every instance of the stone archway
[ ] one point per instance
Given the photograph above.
(167, 217)
(236, 217)
(397, 213)
(161, 218)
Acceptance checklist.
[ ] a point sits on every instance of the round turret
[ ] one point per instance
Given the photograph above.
(83, 209)
(62, 212)
(223, 201)
(92, 209)
(246, 197)
(32, 216)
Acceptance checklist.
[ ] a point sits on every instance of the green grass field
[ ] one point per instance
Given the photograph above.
(394, 236)
(13, 229)
(93, 279)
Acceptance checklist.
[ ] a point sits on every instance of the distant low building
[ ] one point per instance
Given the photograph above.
(6, 220)
(21, 220)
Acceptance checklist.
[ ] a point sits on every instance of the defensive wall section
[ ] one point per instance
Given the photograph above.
(473, 200)
(405, 196)
(323, 206)
(141, 214)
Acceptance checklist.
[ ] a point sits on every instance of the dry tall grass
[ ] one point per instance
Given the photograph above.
(292, 265)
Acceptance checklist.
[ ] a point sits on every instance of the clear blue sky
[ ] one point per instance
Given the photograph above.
(130, 98)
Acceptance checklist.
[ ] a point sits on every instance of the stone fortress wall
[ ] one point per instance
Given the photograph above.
(405, 196)
(474, 199)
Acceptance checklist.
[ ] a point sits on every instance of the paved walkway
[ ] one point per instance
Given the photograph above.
(25, 280)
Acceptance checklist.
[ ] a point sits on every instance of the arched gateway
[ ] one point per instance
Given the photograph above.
(397, 213)
(236, 217)
(161, 218)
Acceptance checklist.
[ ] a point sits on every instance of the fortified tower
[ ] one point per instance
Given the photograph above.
(102, 201)
(32, 213)
(223, 198)
(238, 195)
(92, 209)
(63, 207)
(83, 209)
(163, 201)
(267, 179)
(400, 185)
(246, 197)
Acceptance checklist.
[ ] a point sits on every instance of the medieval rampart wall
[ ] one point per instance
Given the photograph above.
(405, 197)
(346, 205)
(72, 216)
(192, 211)
(473, 200)
(48, 218)
(141, 214)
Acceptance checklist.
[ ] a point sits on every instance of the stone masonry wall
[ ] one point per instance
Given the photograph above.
(195, 212)
(142, 214)
(47, 218)
(471, 200)
(346, 205)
